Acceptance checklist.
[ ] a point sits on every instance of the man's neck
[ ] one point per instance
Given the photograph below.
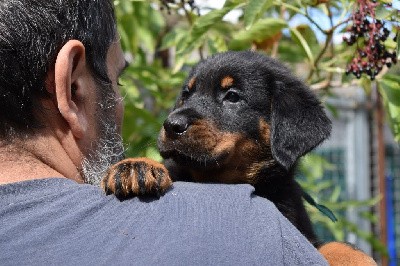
(34, 159)
(23, 169)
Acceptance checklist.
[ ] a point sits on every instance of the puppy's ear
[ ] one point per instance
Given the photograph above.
(298, 122)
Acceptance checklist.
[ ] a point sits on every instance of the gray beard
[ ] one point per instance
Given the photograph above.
(109, 148)
(105, 152)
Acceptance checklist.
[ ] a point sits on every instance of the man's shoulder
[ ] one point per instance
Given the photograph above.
(192, 224)
(58, 189)
(183, 202)
(52, 190)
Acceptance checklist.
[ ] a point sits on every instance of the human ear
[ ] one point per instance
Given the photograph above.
(71, 86)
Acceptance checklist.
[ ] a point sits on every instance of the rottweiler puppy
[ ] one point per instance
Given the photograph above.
(241, 117)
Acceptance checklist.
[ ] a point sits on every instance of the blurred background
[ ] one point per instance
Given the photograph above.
(346, 51)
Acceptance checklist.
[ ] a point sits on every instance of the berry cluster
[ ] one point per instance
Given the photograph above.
(166, 4)
(369, 34)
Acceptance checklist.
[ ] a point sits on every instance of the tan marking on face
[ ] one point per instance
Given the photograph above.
(226, 82)
(191, 83)
(245, 155)
(242, 157)
(227, 141)
(268, 160)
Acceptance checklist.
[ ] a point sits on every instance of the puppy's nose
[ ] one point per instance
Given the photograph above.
(176, 125)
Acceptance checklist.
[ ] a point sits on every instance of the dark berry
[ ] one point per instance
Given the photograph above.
(369, 35)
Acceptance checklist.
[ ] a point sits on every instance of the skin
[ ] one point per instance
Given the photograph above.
(58, 149)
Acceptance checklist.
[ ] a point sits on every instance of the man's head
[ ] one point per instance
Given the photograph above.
(59, 65)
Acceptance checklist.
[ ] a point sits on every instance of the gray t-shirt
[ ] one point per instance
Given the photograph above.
(59, 222)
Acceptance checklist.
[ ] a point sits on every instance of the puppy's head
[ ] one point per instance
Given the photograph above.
(239, 112)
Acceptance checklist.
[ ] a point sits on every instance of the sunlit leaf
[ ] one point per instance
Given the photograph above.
(366, 84)
(382, 12)
(298, 38)
(203, 24)
(153, 153)
(389, 87)
(253, 10)
(259, 31)
(390, 44)
(217, 44)
(309, 36)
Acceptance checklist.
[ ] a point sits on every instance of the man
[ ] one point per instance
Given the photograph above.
(60, 118)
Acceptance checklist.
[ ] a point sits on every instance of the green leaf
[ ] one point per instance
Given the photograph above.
(309, 36)
(217, 44)
(203, 24)
(290, 53)
(172, 38)
(261, 30)
(314, 165)
(335, 194)
(382, 12)
(366, 84)
(390, 44)
(152, 153)
(299, 39)
(389, 87)
(323, 209)
(135, 27)
(254, 9)
(390, 77)
(232, 2)
(187, 47)
(373, 218)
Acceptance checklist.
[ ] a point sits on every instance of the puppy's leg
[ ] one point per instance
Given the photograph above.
(343, 254)
(136, 177)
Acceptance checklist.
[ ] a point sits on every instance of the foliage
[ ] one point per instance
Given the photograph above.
(389, 87)
(164, 38)
(313, 168)
(164, 44)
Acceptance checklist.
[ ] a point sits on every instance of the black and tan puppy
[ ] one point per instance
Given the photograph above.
(241, 117)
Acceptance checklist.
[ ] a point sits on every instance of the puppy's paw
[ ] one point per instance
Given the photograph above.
(136, 177)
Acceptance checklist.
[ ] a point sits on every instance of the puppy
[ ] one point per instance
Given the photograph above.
(241, 117)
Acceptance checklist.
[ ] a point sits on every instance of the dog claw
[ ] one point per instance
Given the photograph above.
(136, 177)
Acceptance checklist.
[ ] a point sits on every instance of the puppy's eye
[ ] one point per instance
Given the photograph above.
(232, 97)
